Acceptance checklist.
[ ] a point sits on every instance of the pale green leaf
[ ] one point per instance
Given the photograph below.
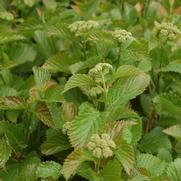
(41, 76)
(153, 164)
(59, 62)
(85, 171)
(72, 162)
(89, 121)
(174, 131)
(174, 66)
(127, 88)
(127, 70)
(174, 170)
(78, 80)
(49, 169)
(125, 155)
(112, 171)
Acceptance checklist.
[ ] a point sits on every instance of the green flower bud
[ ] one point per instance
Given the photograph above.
(107, 152)
(171, 36)
(103, 143)
(97, 152)
(95, 137)
(91, 145)
(164, 32)
(79, 27)
(122, 35)
(167, 31)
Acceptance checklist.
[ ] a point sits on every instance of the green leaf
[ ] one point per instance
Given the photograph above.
(112, 171)
(85, 171)
(89, 121)
(41, 76)
(7, 91)
(153, 164)
(125, 155)
(174, 170)
(166, 107)
(49, 169)
(5, 152)
(174, 131)
(119, 112)
(127, 88)
(145, 65)
(55, 142)
(12, 102)
(50, 115)
(154, 140)
(53, 94)
(127, 70)
(24, 170)
(21, 53)
(174, 66)
(78, 80)
(15, 135)
(45, 45)
(59, 62)
(72, 162)
(6, 15)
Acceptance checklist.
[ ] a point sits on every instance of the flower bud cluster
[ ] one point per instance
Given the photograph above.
(94, 91)
(167, 31)
(101, 146)
(122, 35)
(66, 127)
(101, 69)
(79, 27)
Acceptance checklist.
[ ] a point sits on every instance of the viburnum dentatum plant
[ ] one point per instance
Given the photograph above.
(90, 90)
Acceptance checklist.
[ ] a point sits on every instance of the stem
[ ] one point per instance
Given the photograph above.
(104, 85)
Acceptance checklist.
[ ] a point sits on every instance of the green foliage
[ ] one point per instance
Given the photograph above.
(90, 90)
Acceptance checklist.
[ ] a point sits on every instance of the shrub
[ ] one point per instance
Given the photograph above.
(90, 90)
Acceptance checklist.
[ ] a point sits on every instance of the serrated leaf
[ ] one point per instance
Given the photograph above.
(166, 107)
(89, 121)
(119, 112)
(125, 155)
(154, 140)
(174, 131)
(153, 164)
(15, 135)
(112, 171)
(7, 91)
(21, 53)
(48, 169)
(59, 62)
(174, 66)
(12, 102)
(78, 80)
(127, 88)
(55, 142)
(5, 152)
(85, 171)
(174, 170)
(41, 76)
(24, 170)
(43, 113)
(72, 162)
(127, 70)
